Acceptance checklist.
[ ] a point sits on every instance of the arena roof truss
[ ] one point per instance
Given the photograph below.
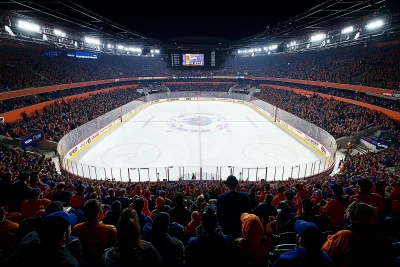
(75, 20)
(331, 19)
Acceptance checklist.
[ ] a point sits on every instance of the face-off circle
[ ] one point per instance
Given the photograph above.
(203, 122)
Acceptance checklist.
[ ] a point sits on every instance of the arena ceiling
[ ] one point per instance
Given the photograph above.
(327, 15)
(323, 17)
(75, 17)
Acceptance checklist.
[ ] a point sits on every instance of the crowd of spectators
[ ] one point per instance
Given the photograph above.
(30, 66)
(325, 220)
(354, 95)
(57, 119)
(376, 66)
(336, 117)
(24, 101)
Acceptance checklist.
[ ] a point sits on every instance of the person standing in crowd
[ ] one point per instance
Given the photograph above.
(230, 206)
(308, 248)
(334, 209)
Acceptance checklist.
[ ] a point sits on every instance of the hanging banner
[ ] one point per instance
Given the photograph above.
(32, 139)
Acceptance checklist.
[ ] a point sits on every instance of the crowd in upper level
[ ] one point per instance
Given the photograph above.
(57, 119)
(29, 66)
(387, 103)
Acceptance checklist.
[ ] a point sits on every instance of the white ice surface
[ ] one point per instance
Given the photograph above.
(188, 135)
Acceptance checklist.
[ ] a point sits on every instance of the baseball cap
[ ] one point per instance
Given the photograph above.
(58, 221)
(349, 191)
(34, 192)
(309, 233)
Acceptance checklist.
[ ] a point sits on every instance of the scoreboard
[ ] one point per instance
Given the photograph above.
(193, 59)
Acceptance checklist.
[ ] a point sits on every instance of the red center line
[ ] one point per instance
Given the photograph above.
(200, 152)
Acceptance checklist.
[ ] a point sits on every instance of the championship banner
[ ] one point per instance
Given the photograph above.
(32, 139)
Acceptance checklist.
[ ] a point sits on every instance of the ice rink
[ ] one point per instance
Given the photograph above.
(177, 138)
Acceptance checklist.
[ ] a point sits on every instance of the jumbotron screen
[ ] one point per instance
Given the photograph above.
(193, 59)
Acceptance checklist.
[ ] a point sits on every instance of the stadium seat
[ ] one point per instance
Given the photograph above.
(287, 238)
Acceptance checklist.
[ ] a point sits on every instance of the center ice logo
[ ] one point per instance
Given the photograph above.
(203, 122)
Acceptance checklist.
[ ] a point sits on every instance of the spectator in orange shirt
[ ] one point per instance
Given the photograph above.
(335, 208)
(77, 199)
(254, 246)
(362, 245)
(364, 195)
(279, 197)
(194, 223)
(93, 234)
(48, 193)
(317, 197)
(30, 207)
(8, 235)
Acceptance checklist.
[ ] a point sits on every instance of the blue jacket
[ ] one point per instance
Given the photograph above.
(302, 257)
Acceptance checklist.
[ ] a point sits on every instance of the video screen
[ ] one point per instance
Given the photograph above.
(193, 60)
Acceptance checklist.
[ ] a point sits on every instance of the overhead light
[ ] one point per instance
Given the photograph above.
(28, 26)
(59, 33)
(8, 29)
(91, 40)
(375, 24)
(318, 37)
(347, 30)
